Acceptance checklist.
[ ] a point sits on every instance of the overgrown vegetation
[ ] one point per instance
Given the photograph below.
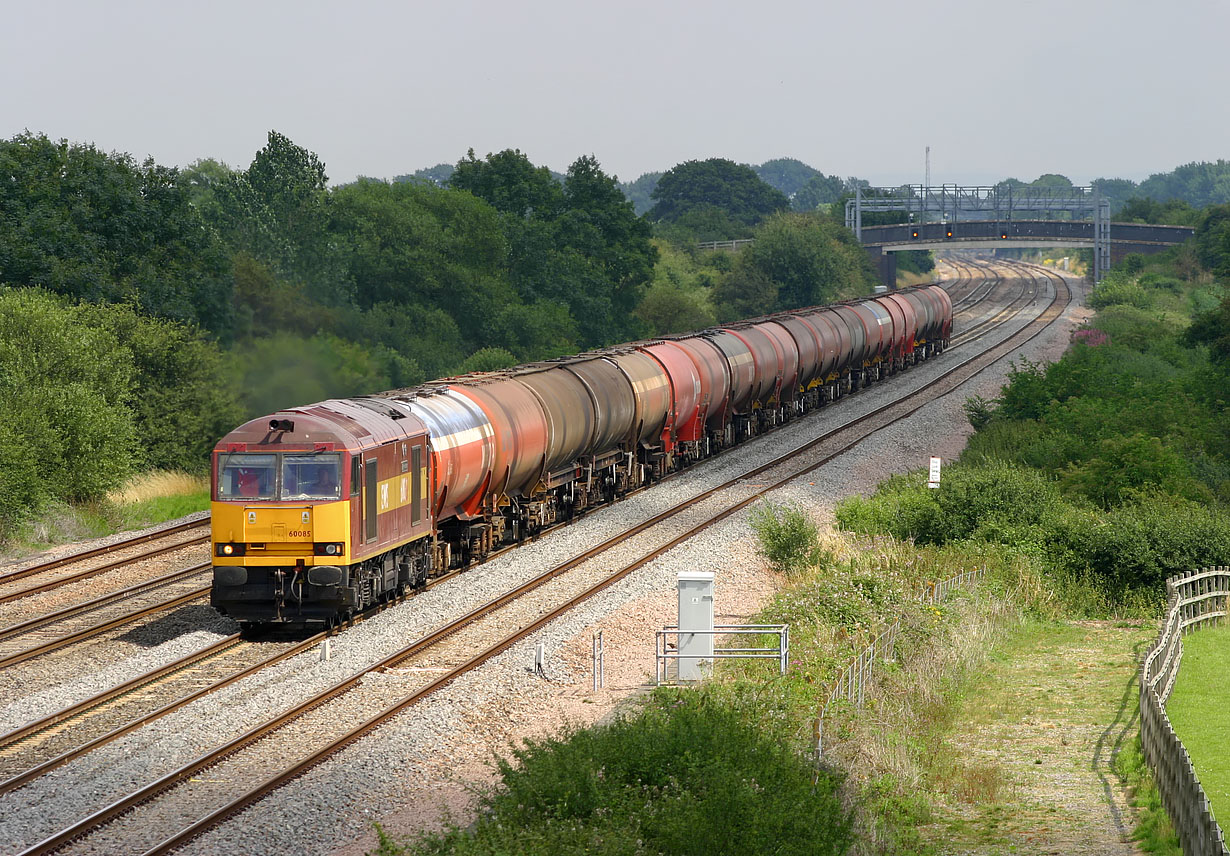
(1111, 467)
(1154, 830)
(788, 537)
(687, 774)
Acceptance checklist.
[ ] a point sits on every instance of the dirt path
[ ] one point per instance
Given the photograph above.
(1036, 736)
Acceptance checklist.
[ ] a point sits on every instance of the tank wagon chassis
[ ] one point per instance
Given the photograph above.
(323, 511)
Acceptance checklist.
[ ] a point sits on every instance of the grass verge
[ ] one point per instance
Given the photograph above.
(1154, 832)
(1200, 714)
(146, 500)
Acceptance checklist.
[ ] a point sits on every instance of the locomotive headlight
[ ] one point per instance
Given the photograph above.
(227, 549)
(330, 549)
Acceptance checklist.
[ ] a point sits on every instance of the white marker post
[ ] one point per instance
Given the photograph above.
(934, 479)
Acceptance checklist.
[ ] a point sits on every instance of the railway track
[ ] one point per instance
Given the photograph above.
(244, 779)
(976, 282)
(42, 745)
(55, 631)
(64, 570)
(1024, 297)
(61, 628)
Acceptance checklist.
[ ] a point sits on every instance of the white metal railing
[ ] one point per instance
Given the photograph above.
(664, 653)
(734, 246)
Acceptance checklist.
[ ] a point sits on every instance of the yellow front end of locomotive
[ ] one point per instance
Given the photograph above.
(268, 534)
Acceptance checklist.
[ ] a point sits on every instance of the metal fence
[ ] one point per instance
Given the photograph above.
(854, 679)
(1193, 600)
(664, 652)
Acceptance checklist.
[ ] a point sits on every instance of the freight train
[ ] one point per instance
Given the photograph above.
(322, 511)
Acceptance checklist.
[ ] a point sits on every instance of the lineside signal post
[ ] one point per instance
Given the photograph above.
(933, 479)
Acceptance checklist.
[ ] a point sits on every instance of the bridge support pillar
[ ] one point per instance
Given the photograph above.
(1101, 239)
(885, 265)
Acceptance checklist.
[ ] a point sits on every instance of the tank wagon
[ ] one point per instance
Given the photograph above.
(325, 510)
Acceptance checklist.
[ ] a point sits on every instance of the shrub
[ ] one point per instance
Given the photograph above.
(66, 430)
(1153, 537)
(686, 776)
(788, 537)
(1119, 288)
(979, 411)
(973, 499)
(488, 359)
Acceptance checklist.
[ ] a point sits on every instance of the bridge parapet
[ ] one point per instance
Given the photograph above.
(1018, 233)
(1001, 204)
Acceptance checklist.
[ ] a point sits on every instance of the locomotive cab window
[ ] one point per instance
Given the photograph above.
(311, 477)
(243, 476)
(356, 475)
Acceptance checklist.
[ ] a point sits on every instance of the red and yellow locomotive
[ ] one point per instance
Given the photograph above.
(319, 512)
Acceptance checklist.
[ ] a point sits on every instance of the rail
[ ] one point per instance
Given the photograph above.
(1193, 600)
(854, 679)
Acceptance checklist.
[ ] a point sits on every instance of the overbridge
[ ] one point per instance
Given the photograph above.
(1000, 216)
(882, 241)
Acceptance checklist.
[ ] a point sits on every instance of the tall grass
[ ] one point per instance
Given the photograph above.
(145, 500)
(158, 484)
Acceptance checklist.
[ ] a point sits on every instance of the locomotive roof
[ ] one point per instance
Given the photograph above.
(345, 423)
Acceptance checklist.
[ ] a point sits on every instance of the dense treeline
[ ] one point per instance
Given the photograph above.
(148, 309)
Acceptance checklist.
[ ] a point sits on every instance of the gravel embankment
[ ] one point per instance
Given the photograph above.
(428, 757)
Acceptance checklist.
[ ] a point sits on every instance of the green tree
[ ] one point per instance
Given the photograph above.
(277, 211)
(1116, 190)
(640, 191)
(102, 228)
(723, 184)
(820, 190)
(488, 360)
(669, 308)
(1213, 239)
(1212, 328)
(419, 245)
(1199, 184)
(745, 292)
(579, 244)
(510, 184)
(1175, 212)
(286, 370)
(182, 395)
(438, 175)
(66, 429)
(1051, 179)
(812, 259)
(787, 175)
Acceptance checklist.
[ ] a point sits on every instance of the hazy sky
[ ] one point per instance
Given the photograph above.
(1089, 88)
